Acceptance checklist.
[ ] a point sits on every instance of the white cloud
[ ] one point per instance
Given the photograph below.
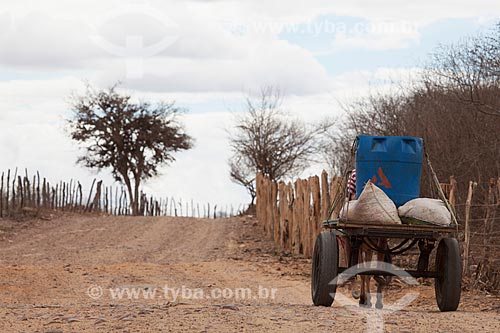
(278, 63)
(201, 58)
(378, 36)
(37, 40)
(312, 108)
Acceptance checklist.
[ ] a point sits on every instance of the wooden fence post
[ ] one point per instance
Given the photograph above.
(269, 211)
(27, 195)
(275, 213)
(33, 189)
(465, 266)
(297, 217)
(7, 193)
(325, 196)
(70, 194)
(64, 196)
(263, 202)
(453, 188)
(38, 190)
(14, 201)
(316, 211)
(74, 196)
(47, 188)
(97, 198)
(290, 214)
(106, 200)
(53, 204)
(44, 193)
(90, 195)
(283, 205)
(307, 217)
(20, 192)
(335, 189)
(60, 201)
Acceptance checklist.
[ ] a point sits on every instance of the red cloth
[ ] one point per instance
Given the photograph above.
(351, 183)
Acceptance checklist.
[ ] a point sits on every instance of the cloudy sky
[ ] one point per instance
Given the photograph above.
(205, 55)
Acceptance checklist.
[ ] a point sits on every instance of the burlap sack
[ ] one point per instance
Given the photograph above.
(372, 207)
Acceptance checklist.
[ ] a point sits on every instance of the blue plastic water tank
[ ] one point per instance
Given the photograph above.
(393, 163)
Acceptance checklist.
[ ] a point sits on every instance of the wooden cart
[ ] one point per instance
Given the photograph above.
(447, 271)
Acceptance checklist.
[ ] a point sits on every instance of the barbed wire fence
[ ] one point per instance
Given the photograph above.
(481, 234)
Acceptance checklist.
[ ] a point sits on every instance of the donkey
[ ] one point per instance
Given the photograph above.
(365, 256)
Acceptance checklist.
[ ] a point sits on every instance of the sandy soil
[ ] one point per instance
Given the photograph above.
(65, 275)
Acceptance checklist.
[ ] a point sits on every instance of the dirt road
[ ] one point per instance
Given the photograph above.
(126, 274)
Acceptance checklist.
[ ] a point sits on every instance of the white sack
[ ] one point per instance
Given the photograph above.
(372, 207)
(426, 210)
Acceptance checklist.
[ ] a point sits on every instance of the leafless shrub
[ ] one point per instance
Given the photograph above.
(267, 139)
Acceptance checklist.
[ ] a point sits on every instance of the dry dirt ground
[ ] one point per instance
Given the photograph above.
(65, 275)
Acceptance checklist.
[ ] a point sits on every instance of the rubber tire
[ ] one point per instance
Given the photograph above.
(448, 284)
(324, 269)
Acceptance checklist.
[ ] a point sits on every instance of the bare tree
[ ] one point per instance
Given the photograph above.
(470, 70)
(242, 172)
(133, 139)
(267, 140)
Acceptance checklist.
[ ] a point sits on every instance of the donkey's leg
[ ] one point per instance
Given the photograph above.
(362, 291)
(368, 301)
(381, 282)
(365, 298)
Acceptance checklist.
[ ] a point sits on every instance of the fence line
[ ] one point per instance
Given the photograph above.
(291, 214)
(25, 195)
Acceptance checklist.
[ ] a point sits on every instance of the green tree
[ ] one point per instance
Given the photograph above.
(133, 139)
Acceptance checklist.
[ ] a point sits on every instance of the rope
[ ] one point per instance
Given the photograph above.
(439, 189)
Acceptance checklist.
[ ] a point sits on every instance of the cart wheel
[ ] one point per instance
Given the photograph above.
(449, 280)
(324, 268)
